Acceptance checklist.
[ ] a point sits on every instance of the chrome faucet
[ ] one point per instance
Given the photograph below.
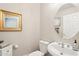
(62, 45)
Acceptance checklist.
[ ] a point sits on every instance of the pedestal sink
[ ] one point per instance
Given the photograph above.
(56, 49)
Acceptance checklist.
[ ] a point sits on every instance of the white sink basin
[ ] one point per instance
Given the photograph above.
(56, 49)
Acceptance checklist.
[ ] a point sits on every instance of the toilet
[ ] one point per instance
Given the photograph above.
(43, 49)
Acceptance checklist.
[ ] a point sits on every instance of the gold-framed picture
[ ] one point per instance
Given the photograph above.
(10, 21)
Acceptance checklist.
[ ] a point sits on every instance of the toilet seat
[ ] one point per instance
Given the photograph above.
(36, 53)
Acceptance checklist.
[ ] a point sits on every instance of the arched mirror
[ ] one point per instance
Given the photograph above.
(67, 19)
(70, 24)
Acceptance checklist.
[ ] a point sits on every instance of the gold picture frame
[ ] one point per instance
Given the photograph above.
(10, 21)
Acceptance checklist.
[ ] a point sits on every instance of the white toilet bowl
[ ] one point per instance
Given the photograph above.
(43, 49)
(36, 53)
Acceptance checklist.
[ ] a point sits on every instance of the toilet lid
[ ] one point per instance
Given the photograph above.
(36, 53)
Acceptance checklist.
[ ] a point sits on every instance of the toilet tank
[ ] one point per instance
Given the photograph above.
(43, 46)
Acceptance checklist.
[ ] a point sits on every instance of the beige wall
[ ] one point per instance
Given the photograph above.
(29, 37)
(48, 32)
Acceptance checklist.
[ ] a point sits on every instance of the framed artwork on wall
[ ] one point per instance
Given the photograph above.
(10, 21)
